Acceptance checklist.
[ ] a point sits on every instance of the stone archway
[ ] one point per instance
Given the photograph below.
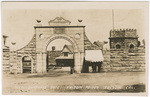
(60, 36)
(41, 57)
(28, 62)
(59, 28)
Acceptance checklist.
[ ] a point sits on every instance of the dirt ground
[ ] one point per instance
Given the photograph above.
(61, 81)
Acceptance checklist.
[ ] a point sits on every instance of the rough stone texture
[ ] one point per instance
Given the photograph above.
(125, 58)
(106, 62)
(88, 45)
(16, 57)
(6, 56)
(123, 33)
(123, 37)
(120, 60)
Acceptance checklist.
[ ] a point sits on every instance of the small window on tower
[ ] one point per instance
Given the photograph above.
(131, 46)
(118, 46)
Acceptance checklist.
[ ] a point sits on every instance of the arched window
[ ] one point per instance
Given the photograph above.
(131, 46)
(118, 46)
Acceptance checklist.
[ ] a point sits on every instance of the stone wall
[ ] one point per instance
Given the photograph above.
(106, 62)
(123, 37)
(88, 45)
(123, 33)
(128, 42)
(16, 57)
(6, 56)
(114, 42)
(120, 60)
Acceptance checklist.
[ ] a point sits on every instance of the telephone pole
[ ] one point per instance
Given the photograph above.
(113, 18)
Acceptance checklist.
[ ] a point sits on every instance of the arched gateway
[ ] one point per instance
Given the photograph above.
(59, 28)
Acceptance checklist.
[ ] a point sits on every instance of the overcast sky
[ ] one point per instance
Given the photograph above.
(19, 19)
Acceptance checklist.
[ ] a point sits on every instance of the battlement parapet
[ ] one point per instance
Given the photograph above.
(123, 33)
(123, 30)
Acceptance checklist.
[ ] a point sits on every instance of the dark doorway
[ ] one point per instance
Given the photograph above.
(26, 64)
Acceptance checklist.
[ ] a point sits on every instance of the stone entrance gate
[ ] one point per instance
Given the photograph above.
(59, 28)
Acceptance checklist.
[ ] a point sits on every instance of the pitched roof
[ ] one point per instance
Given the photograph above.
(99, 44)
(69, 47)
(88, 45)
(59, 20)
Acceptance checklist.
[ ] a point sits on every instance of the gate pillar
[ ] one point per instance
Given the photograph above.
(39, 63)
(78, 62)
(44, 62)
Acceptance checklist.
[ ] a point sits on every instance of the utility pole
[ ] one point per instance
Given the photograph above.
(113, 18)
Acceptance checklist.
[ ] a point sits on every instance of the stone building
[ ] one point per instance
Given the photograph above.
(125, 52)
(66, 52)
(123, 39)
(66, 59)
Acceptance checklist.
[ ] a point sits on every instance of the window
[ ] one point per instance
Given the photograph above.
(65, 53)
(118, 46)
(77, 36)
(41, 36)
(131, 46)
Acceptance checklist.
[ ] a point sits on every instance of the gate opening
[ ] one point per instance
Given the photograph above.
(26, 64)
(60, 56)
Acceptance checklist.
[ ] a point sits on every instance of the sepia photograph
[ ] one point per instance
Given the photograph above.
(87, 48)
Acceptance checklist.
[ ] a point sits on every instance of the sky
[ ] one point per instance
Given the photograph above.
(19, 19)
(58, 43)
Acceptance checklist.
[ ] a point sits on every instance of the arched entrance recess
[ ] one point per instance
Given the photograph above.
(41, 57)
(26, 64)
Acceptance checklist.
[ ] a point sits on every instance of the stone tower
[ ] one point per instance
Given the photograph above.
(123, 39)
(125, 53)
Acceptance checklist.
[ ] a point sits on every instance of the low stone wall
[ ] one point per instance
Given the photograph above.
(124, 60)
